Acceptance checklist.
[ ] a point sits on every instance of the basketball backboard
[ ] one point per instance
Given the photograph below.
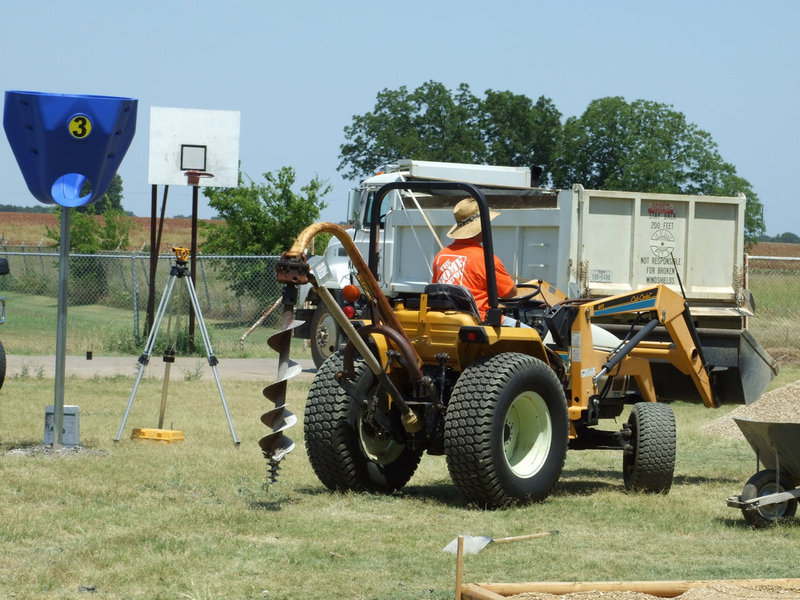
(190, 139)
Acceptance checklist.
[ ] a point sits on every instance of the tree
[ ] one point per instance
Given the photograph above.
(91, 234)
(517, 132)
(111, 200)
(434, 123)
(431, 123)
(260, 219)
(649, 147)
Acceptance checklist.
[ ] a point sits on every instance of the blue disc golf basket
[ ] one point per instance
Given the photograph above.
(68, 148)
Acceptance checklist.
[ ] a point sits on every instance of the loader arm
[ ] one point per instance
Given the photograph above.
(665, 308)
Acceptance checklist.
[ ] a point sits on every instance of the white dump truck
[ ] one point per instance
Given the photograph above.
(586, 243)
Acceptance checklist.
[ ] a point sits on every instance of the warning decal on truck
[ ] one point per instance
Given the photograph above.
(658, 251)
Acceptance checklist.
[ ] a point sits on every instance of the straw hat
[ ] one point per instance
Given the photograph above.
(468, 219)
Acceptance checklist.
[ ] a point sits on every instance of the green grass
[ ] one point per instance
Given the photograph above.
(31, 323)
(195, 519)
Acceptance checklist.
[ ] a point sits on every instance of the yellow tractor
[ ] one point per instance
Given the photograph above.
(503, 404)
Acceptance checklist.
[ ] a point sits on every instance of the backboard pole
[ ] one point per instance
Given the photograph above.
(193, 262)
(155, 246)
(61, 328)
(151, 293)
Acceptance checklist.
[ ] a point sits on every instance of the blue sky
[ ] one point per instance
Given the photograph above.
(299, 71)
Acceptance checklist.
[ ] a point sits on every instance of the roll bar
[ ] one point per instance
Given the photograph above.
(494, 316)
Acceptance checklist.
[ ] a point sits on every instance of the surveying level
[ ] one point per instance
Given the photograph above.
(179, 270)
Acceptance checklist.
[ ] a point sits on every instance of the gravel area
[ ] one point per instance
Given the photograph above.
(716, 591)
(781, 405)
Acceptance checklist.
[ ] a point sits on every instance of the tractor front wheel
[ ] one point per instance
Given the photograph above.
(648, 461)
(506, 430)
(345, 451)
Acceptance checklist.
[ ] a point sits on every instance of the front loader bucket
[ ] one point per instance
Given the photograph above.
(743, 368)
(747, 378)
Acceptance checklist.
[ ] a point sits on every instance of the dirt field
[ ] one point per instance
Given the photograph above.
(31, 229)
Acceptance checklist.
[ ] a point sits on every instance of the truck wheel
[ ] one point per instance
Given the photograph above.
(648, 462)
(506, 430)
(2, 364)
(764, 483)
(325, 335)
(344, 451)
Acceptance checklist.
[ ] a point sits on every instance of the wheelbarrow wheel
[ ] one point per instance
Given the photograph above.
(762, 484)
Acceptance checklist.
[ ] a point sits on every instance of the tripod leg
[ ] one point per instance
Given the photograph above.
(212, 360)
(148, 349)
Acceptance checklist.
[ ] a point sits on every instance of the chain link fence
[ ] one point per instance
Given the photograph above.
(234, 291)
(775, 283)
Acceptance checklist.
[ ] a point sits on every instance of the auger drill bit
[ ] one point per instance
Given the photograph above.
(276, 445)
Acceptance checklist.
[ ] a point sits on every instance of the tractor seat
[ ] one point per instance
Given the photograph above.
(447, 296)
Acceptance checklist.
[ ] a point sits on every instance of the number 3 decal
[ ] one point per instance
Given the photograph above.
(80, 126)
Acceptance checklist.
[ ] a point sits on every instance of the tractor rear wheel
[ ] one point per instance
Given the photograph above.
(648, 463)
(506, 430)
(345, 452)
(765, 483)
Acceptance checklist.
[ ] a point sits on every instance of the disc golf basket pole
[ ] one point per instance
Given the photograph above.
(61, 328)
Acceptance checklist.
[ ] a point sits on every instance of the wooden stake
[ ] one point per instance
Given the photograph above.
(459, 565)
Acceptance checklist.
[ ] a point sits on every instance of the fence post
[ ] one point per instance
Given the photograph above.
(41, 261)
(24, 260)
(205, 281)
(135, 294)
(122, 274)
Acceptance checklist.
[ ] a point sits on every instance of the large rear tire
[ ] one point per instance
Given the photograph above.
(648, 464)
(764, 483)
(345, 452)
(506, 430)
(325, 335)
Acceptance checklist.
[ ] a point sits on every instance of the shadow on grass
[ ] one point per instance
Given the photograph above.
(704, 479)
(774, 529)
(573, 482)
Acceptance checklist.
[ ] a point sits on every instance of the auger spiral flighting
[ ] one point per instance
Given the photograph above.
(276, 445)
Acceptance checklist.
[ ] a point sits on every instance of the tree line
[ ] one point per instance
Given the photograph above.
(642, 145)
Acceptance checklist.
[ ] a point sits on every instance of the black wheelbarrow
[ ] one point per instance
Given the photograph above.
(771, 494)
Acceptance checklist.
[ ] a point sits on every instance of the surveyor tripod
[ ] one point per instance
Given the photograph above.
(178, 271)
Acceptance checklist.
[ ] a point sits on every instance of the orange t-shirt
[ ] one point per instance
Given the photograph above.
(463, 263)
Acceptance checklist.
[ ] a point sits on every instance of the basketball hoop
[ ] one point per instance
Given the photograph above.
(193, 177)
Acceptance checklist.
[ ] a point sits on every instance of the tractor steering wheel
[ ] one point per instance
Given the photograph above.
(518, 301)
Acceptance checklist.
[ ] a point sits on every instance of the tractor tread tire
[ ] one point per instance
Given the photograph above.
(474, 429)
(650, 465)
(331, 429)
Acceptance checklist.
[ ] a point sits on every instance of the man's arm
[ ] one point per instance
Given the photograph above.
(511, 294)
